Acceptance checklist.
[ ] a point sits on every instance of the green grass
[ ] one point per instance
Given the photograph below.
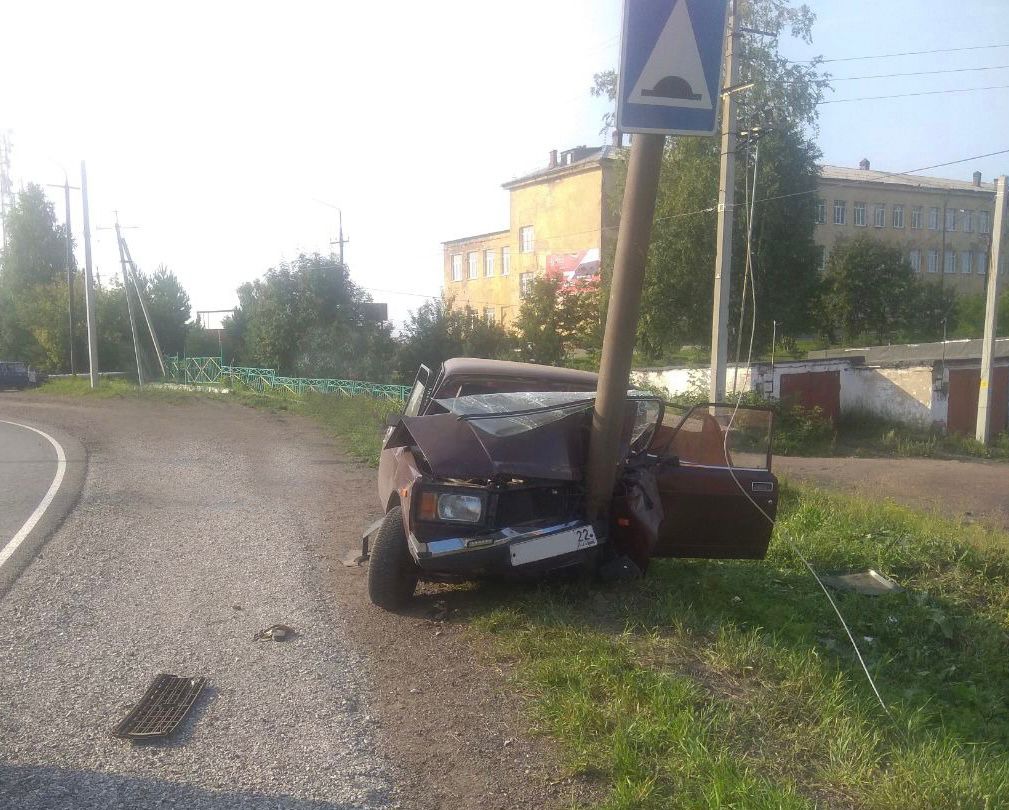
(112, 389)
(865, 434)
(731, 684)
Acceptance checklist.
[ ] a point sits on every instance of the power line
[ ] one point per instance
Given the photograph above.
(902, 53)
(913, 73)
(922, 93)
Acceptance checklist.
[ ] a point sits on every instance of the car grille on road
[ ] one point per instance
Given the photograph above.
(162, 707)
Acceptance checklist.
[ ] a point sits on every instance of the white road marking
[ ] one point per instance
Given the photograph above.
(61, 466)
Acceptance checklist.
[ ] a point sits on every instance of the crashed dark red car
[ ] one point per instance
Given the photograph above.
(482, 475)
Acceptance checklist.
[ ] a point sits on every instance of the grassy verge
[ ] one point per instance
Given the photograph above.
(862, 434)
(731, 684)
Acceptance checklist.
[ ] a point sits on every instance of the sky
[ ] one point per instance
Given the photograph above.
(227, 134)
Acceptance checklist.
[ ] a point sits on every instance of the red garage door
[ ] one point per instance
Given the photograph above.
(963, 394)
(814, 389)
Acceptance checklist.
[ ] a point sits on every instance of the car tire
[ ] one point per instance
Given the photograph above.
(392, 572)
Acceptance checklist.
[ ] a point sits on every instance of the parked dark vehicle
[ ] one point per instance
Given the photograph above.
(482, 476)
(15, 374)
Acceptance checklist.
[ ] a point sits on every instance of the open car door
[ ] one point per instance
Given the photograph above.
(706, 512)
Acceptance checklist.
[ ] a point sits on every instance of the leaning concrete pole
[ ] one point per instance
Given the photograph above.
(89, 286)
(635, 232)
(983, 431)
(726, 200)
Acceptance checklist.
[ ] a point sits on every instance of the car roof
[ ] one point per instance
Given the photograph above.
(475, 366)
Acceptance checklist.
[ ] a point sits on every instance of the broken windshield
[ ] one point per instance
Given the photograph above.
(513, 413)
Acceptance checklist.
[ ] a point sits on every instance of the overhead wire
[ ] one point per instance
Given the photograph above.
(920, 93)
(901, 53)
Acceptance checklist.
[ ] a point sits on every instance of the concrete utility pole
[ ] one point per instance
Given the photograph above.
(89, 287)
(983, 431)
(726, 198)
(129, 304)
(636, 216)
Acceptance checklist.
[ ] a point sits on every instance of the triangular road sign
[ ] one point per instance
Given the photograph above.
(671, 66)
(673, 75)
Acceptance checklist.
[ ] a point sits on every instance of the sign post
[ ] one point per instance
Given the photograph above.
(669, 84)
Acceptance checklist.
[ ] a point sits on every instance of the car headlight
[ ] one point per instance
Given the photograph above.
(452, 507)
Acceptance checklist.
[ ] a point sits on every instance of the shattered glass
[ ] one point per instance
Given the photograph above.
(522, 411)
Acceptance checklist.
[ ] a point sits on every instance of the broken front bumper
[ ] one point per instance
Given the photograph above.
(526, 549)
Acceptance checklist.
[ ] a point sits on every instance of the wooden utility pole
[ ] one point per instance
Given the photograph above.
(143, 306)
(70, 269)
(983, 429)
(726, 200)
(89, 285)
(129, 303)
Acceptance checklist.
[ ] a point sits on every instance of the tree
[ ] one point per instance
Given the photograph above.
(436, 331)
(33, 294)
(559, 318)
(868, 289)
(677, 294)
(168, 305)
(970, 316)
(308, 318)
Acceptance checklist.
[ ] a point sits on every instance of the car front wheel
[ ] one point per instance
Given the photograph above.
(392, 573)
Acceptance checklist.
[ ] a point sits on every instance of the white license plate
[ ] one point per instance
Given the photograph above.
(553, 545)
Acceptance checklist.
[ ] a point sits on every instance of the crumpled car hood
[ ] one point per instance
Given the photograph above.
(456, 448)
(507, 435)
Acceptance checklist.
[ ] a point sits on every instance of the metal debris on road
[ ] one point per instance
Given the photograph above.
(161, 709)
(275, 632)
(868, 583)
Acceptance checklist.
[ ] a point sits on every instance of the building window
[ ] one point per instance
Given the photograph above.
(965, 261)
(526, 239)
(949, 261)
(525, 282)
(503, 310)
(488, 314)
(456, 267)
(933, 261)
(859, 214)
(968, 222)
(840, 211)
(984, 221)
(916, 217)
(488, 263)
(950, 219)
(821, 212)
(981, 263)
(506, 260)
(914, 258)
(898, 216)
(933, 219)
(823, 257)
(879, 216)
(474, 264)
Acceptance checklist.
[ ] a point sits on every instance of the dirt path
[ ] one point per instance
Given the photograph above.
(976, 489)
(199, 524)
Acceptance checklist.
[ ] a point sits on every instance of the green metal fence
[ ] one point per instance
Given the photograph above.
(211, 371)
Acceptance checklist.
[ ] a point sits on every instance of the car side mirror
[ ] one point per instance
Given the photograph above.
(393, 419)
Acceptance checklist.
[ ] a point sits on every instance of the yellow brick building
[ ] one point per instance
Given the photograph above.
(560, 220)
(564, 218)
(944, 226)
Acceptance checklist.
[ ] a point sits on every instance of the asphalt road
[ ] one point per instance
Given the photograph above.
(27, 468)
(197, 526)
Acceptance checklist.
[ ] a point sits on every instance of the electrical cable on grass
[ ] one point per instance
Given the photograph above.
(772, 521)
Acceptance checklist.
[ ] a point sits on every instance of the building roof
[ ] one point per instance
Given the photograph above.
(474, 237)
(582, 157)
(950, 351)
(843, 173)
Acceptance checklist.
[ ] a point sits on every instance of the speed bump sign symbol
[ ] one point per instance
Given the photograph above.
(671, 66)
